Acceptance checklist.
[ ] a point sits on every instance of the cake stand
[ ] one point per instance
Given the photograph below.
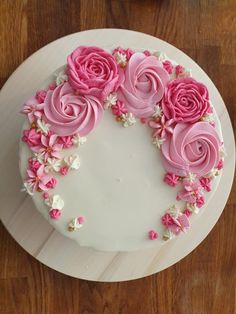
(25, 223)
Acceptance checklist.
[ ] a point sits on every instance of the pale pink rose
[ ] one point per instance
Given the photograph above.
(31, 137)
(168, 66)
(68, 113)
(171, 179)
(119, 108)
(144, 84)
(55, 213)
(191, 148)
(93, 71)
(185, 100)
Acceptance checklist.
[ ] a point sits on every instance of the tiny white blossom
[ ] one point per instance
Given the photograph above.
(208, 118)
(42, 127)
(160, 55)
(55, 202)
(192, 207)
(52, 164)
(72, 161)
(222, 151)
(213, 173)
(61, 78)
(78, 140)
(157, 111)
(158, 141)
(39, 157)
(110, 101)
(167, 235)
(128, 119)
(173, 211)
(120, 58)
(28, 188)
(75, 224)
(191, 177)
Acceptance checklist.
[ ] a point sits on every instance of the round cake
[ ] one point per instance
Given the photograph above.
(121, 150)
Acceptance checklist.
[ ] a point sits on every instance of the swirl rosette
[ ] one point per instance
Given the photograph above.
(192, 148)
(144, 84)
(93, 71)
(68, 113)
(185, 100)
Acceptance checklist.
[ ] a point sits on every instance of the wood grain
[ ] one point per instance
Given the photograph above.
(203, 282)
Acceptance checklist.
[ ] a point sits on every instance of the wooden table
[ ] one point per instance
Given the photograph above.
(200, 283)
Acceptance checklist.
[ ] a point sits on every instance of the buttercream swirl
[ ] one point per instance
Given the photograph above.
(192, 148)
(185, 100)
(68, 113)
(143, 87)
(93, 71)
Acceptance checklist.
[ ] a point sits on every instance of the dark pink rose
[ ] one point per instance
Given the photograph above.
(185, 100)
(93, 71)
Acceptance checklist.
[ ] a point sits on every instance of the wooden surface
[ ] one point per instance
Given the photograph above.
(204, 281)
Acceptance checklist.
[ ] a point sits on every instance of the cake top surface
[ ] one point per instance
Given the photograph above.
(127, 192)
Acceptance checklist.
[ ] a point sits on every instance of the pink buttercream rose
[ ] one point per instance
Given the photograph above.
(143, 87)
(192, 148)
(185, 100)
(93, 71)
(68, 113)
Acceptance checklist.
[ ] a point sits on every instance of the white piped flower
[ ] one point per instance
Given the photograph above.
(28, 188)
(121, 59)
(55, 202)
(208, 118)
(39, 157)
(53, 164)
(61, 78)
(76, 223)
(167, 235)
(157, 111)
(158, 141)
(160, 55)
(222, 151)
(78, 140)
(213, 173)
(174, 211)
(110, 101)
(42, 127)
(191, 177)
(72, 161)
(128, 119)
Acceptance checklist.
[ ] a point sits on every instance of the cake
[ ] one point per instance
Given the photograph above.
(121, 150)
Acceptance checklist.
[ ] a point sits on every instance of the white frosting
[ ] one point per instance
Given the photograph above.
(119, 188)
(55, 201)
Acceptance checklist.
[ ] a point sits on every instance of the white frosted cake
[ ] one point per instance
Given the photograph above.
(121, 149)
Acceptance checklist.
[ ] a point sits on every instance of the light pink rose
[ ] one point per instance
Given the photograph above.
(192, 148)
(185, 100)
(143, 87)
(68, 113)
(93, 71)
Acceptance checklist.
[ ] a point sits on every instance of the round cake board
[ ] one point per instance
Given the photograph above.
(25, 223)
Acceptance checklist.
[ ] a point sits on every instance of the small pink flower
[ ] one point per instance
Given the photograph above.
(52, 183)
(31, 137)
(38, 180)
(181, 223)
(147, 53)
(34, 164)
(206, 184)
(168, 66)
(81, 220)
(161, 127)
(33, 109)
(171, 179)
(167, 220)
(144, 120)
(220, 165)
(152, 235)
(66, 141)
(187, 212)
(52, 86)
(55, 213)
(48, 147)
(64, 170)
(40, 96)
(210, 110)
(200, 201)
(119, 108)
(191, 191)
(179, 69)
(45, 195)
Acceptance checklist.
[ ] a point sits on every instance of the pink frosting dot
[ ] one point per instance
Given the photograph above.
(80, 220)
(220, 165)
(167, 220)
(168, 66)
(51, 184)
(179, 69)
(200, 201)
(55, 213)
(45, 195)
(171, 179)
(40, 96)
(147, 53)
(187, 212)
(119, 108)
(206, 184)
(152, 235)
(64, 170)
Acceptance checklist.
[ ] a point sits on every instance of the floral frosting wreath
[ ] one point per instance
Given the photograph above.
(134, 85)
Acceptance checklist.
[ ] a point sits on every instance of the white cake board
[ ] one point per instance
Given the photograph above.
(32, 231)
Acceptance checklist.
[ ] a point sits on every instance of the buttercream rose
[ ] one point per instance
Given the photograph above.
(185, 100)
(192, 148)
(68, 113)
(93, 71)
(143, 87)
